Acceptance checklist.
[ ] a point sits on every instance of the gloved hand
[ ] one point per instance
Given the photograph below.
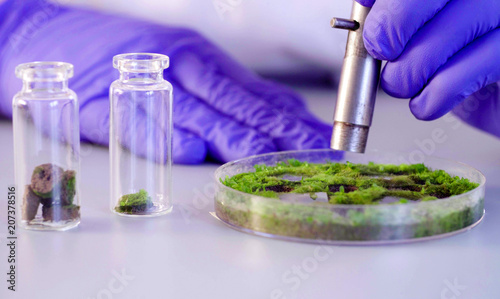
(221, 109)
(439, 53)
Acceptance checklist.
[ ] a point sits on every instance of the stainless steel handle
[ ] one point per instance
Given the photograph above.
(358, 86)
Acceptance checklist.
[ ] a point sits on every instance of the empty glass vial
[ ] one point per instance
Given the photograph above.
(140, 136)
(46, 147)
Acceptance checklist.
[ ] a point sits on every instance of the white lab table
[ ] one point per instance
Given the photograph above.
(189, 254)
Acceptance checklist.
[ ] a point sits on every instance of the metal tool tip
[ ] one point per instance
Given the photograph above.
(349, 137)
(340, 23)
(333, 22)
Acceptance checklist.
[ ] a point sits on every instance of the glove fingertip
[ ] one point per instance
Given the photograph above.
(366, 3)
(421, 109)
(379, 37)
(376, 47)
(398, 84)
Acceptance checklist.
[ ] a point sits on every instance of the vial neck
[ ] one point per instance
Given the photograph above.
(30, 86)
(134, 77)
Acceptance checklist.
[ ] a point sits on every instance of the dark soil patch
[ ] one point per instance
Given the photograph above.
(279, 188)
(414, 188)
(347, 188)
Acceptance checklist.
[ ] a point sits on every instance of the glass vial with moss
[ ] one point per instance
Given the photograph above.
(140, 136)
(46, 147)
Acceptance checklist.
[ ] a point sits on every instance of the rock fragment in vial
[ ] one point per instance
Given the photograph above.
(30, 204)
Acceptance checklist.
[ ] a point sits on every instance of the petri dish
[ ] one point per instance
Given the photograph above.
(325, 223)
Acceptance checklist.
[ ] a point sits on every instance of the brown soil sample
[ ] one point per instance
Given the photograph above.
(60, 213)
(414, 188)
(30, 204)
(45, 179)
(347, 188)
(53, 185)
(279, 188)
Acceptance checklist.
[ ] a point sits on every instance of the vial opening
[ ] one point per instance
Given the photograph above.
(140, 62)
(43, 71)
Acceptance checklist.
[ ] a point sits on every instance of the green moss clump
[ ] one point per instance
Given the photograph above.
(69, 186)
(134, 203)
(359, 197)
(349, 183)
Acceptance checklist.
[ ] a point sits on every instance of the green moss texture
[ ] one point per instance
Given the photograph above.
(348, 183)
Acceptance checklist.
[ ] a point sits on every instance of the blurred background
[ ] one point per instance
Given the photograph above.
(283, 39)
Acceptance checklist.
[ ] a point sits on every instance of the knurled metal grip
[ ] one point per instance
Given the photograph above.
(357, 88)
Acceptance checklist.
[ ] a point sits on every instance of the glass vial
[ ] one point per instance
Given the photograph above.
(46, 147)
(140, 136)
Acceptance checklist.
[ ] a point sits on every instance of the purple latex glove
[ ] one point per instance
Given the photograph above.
(221, 109)
(439, 53)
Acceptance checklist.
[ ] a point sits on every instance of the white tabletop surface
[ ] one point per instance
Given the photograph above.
(189, 254)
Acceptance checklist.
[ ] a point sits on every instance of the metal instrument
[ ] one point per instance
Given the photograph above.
(358, 86)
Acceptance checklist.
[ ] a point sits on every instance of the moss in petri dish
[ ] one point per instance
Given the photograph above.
(135, 203)
(348, 183)
(363, 185)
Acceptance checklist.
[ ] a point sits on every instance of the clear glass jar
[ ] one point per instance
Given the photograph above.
(47, 147)
(140, 136)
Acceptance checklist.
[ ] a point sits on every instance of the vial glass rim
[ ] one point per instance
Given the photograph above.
(141, 62)
(42, 71)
